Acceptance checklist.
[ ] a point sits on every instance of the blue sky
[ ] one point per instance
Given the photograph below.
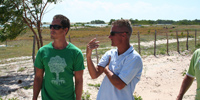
(88, 10)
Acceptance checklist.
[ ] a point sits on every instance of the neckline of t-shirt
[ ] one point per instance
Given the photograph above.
(61, 49)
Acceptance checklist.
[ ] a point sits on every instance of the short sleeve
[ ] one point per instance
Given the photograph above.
(104, 59)
(132, 69)
(38, 60)
(79, 62)
(191, 70)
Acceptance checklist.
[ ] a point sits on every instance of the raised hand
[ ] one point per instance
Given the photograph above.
(93, 44)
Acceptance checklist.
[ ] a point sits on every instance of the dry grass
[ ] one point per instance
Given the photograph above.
(22, 45)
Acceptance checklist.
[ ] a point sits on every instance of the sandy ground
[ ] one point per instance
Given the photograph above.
(161, 78)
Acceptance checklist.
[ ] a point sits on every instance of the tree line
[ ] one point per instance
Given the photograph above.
(159, 21)
(149, 22)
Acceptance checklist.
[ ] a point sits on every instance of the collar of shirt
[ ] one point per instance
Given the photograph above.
(130, 50)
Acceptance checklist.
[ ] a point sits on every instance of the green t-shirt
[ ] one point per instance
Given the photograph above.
(59, 67)
(194, 71)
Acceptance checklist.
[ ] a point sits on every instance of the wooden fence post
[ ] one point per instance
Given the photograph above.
(177, 42)
(167, 43)
(33, 54)
(97, 54)
(155, 44)
(6, 43)
(139, 42)
(69, 39)
(195, 37)
(187, 40)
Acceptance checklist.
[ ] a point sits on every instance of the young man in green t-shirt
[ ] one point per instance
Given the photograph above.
(60, 61)
(194, 71)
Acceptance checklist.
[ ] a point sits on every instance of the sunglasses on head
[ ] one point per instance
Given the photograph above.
(113, 33)
(56, 27)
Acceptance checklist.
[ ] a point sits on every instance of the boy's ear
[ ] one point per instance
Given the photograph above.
(66, 29)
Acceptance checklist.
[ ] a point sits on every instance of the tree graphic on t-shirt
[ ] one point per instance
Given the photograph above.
(57, 65)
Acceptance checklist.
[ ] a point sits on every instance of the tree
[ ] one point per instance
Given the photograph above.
(110, 22)
(97, 22)
(17, 15)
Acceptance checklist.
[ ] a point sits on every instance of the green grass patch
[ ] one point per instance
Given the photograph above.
(85, 96)
(184, 72)
(95, 85)
(28, 87)
(137, 97)
(21, 69)
(8, 98)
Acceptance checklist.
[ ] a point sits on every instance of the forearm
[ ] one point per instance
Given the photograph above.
(79, 89)
(37, 87)
(187, 82)
(114, 79)
(93, 71)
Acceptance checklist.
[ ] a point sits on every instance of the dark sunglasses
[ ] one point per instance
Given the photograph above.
(56, 27)
(113, 33)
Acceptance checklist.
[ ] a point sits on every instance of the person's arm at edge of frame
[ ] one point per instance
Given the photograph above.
(78, 84)
(37, 82)
(93, 71)
(187, 82)
(114, 79)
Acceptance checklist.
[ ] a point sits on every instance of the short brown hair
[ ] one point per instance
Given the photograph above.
(65, 22)
(124, 24)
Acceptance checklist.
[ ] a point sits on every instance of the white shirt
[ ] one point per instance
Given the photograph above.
(128, 67)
